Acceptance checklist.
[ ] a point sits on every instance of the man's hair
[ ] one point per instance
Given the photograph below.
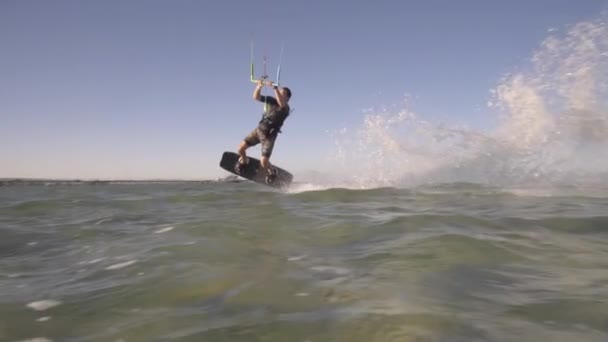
(288, 91)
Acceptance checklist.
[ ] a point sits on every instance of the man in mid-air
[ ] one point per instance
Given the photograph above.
(276, 110)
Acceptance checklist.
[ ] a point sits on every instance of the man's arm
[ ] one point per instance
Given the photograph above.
(280, 98)
(257, 91)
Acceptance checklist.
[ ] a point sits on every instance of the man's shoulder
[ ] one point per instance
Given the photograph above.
(268, 97)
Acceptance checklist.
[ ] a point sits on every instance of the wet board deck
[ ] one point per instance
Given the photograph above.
(250, 171)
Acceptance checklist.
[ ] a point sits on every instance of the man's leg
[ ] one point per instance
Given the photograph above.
(267, 147)
(251, 139)
(243, 146)
(265, 161)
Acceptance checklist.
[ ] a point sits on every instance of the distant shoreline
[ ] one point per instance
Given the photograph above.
(49, 182)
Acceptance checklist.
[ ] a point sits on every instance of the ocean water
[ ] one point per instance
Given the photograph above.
(425, 231)
(241, 262)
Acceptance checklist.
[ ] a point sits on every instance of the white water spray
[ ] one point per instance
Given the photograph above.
(553, 128)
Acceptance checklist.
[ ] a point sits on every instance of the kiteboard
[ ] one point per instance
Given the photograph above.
(253, 171)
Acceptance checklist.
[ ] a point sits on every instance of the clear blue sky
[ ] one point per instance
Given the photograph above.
(159, 89)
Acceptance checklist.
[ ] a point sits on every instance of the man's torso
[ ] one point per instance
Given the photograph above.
(274, 116)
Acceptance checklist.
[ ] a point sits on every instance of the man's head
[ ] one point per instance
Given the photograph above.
(286, 92)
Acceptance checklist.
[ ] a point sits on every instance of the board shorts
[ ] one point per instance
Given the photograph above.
(259, 136)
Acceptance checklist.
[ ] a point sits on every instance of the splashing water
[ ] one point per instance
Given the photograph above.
(553, 128)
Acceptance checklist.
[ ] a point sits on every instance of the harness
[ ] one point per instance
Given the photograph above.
(271, 127)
